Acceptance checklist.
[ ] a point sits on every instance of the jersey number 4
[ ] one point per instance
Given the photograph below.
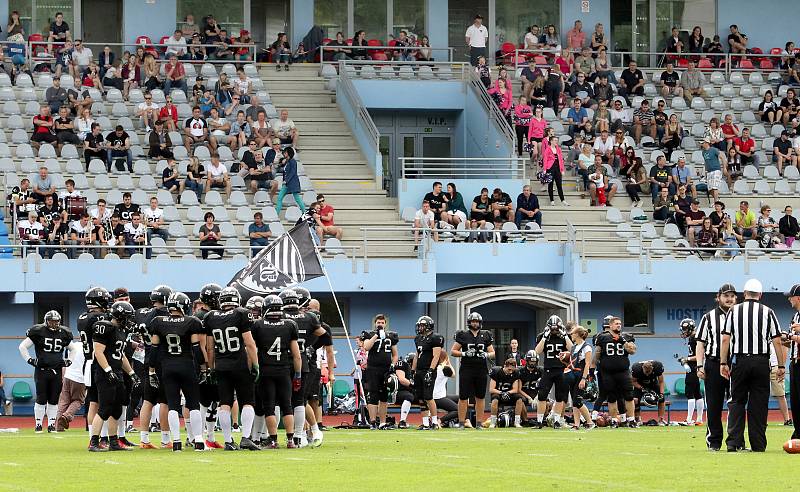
(275, 349)
(615, 349)
(226, 341)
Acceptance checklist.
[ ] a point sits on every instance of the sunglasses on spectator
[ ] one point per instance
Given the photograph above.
(148, 98)
(322, 200)
(235, 98)
(619, 133)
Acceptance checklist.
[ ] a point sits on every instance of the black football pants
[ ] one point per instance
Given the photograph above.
(794, 396)
(749, 397)
(715, 397)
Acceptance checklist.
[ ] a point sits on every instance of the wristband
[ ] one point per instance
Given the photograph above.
(723, 363)
(298, 375)
(781, 367)
(107, 369)
(132, 373)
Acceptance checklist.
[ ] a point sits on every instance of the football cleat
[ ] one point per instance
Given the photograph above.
(517, 425)
(199, 446)
(154, 427)
(236, 428)
(96, 449)
(322, 427)
(147, 445)
(402, 425)
(104, 442)
(188, 442)
(272, 445)
(126, 442)
(590, 426)
(289, 445)
(303, 441)
(295, 442)
(614, 424)
(662, 423)
(247, 443)
(38, 429)
(423, 427)
(166, 445)
(492, 426)
(231, 446)
(537, 425)
(63, 422)
(115, 445)
(557, 424)
(177, 446)
(373, 426)
(384, 426)
(316, 440)
(213, 445)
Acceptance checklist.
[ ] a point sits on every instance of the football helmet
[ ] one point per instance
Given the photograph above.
(290, 298)
(123, 312)
(229, 298)
(97, 298)
(160, 294)
(590, 391)
(607, 321)
(209, 294)
(424, 325)
(649, 399)
(687, 327)
(474, 316)
(409, 358)
(304, 295)
(504, 419)
(531, 358)
(392, 387)
(52, 319)
(556, 325)
(179, 302)
(255, 303)
(272, 307)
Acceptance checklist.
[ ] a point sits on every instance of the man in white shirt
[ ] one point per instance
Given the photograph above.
(423, 219)
(30, 230)
(73, 390)
(136, 236)
(154, 218)
(285, 129)
(147, 112)
(217, 176)
(176, 45)
(81, 234)
(604, 146)
(242, 85)
(219, 128)
(195, 131)
(477, 35)
(619, 117)
(81, 56)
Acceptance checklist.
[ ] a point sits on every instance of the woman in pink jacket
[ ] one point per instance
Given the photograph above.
(553, 162)
(522, 119)
(536, 133)
(502, 94)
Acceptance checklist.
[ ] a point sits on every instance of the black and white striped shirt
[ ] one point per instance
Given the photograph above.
(709, 331)
(794, 348)
(752, 326)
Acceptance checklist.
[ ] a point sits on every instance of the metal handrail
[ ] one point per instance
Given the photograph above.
(160, 47)
(497, 116)
(463, 167)
(323, 48)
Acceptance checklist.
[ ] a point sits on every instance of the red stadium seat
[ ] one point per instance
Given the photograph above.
(379, 56)
(349, 41)
(374, 42)
(683, 63)
(766, 65)
(507, 49)
(746, 64)
(775, 51)
(326, 40)
(37, 49)
(163, 40)
(704, 63)
(540, 60)
(392, 42)
(147, 44)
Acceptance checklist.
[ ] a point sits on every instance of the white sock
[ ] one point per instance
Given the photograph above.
(197, 426)
(104, 429)
(631, 419)
(405, 408)
(165, 437)
(225, 423)
(426, 421)
(187, 424)
(700, 406)
(556, 417)
(248, 416)
(210, 431)
(38, 413)
(52, 410)
(299, 419)
(517, 419)
(144, 436)
(122, 423)
(622, 416)
(690, 409)
(315, 429)
(435, 419)
(540, 417)
(174, 425)
(493, 419)
(204, 415)
(259, 426)
(155, 413)
(594, 414)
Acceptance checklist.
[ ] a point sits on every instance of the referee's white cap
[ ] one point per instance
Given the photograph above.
(753, 285)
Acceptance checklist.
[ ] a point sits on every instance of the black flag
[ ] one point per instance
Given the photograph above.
(289, 260)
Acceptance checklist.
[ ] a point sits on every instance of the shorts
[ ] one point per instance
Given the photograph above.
(275, 388)
(218, 184)
(298, 397)
(479, 216)
(461, 215)
(714, 179)
(153, 395)
(91, 394)
(776, 388)
(263, 184)
(111, 397)
(510, 402)
(422, 392)
(209, 393)
(618, 385)
(180, 386)
(313, 386)
(238, 381)
(553, 376)
(472, 382)
(375, 385)
(693, 385)
(44, 137)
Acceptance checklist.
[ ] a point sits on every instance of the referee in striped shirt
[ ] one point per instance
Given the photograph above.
(748, 330)
(794, 359)
(708, 343)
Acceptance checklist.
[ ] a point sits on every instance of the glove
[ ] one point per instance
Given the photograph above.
(212, 376)
(135, 381)
(481, 354)
(153, 380)
(33, 362)
(67, 362)
(428, 379)
(546, 333)
(297, 382)
(113, 378)
(365, 335)
(381, 334)
(255, 372)
(202, 377)
(469, 353)
(505, 396)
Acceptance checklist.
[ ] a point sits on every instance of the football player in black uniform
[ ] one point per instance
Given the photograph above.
(648, 377)
(50, 340)
(325, 342)
(279, 355)
(109, 340)
(504, 390)
(553, 343)
(98, 301)
(401, 370)
(153, 396)
(577, 376)
(611, 353)
(529, 376)
(381, 347)
(694, 397)
(429, 345)
(176, 350)
(309, 329)
(209, 392)
(474, 345)
(234, 360)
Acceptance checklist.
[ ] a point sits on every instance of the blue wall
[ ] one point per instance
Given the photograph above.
(767, 23)
(149, 19)
(301, 18)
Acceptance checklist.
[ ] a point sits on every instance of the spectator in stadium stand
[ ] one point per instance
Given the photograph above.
(285, 129)
(13, 28)
(94, 146)
(692, 82)
(160, 143)
(188, 26)
(790, 106)
(56, 96)
(291, 181)
(553, 161)
(239, 133)
(788, 226)
(59, 32)
(584, 160)
(694, 221)
(766, 225)
(218, 128)
(554, 86)
(522, 121)
(42, 185)
(176, 45)
(670, 82)
(584, 63)
(261, 173)
(477, 36)
(151, 77)
(732, 169)
(106, 60)
(456, 212)
(82, 57)
(154, 220)
(436, 200)
(243, 85)
(135, 236)
(326, 219)
(681, 205)
(660, 178)
(63, 56)
(565, 62)
(43, 127)
(169, 115)
(598, 39)
(502, 207)
(626, 160)
(119, 146)
(603, 68)
(746, 148)
(745, 221)
(217, 176)
(423, 220)
(737, 43)
(338, 49)
(170, 177)
(696, 41)
(533, 38)
(576, 38)
(195, 130)
(527, 208)
(195, 176)
(682, 176)
(259, 233)
(644, 121)
(673, 43)
(631, 82)
(715, 162)
(662, 205)
(57, 234)
(713, 133)
(577, 116)
(262, 132)
(402, 41)
(210, 236)
(359, 52)
(112, 79)
(79, 98)
(729, 130)
(147, 111)
(574, 151)
(580, 86)
(768, 109)
(195, 48)
(528, 76)
(300, 54)
(536, 129)
(638, 182)
(174, 75)
(604, 147)
(792, 65)
(65, 128)
(783, 152)
(620, 117)
(222, 49)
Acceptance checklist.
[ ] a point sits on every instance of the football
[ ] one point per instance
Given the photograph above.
(564, 357)
(792, 446)
(601, 422)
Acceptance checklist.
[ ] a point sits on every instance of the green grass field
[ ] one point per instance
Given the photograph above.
(649, 459)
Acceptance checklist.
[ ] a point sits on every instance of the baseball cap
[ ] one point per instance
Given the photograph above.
(754, 286)
(726, 288)
(794, 291)
(121, 292)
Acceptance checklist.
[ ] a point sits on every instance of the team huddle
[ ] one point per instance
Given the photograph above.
(196, 362)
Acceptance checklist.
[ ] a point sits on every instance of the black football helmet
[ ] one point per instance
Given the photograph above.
(392, 386)
(179, 302)
(531, 358)
(229, 298)
(590, 391)
(52, 319)
(123, 312)
(255, 305)
(649, 399)
(97, 298)
(424, 325)
(291, 300)
(304, 295)
(409, 358)
(474, 316)
(687, 327)
(209, 294)
(607, 321)
(272, 306)
(160, 294)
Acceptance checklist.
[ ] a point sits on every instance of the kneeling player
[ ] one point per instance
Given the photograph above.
(552, 342)
(648, 376)
(504, 388)
(474, 345)
(529, 376)
(405, 387)
(279, 354)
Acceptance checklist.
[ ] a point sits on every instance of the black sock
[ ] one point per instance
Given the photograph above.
(113, 439)
(95, 440)
(289, 436)
(273, 438)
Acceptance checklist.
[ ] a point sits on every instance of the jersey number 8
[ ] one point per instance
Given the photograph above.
(174, 344)
(226, 341)
(615, 349)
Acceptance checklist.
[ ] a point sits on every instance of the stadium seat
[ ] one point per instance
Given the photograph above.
(189, 198)
(680, 387)
(761, 187)
(148, 183)
(624, 230)
(613, 215)
(741, 187)
(340, 388)
(213, 197)
(771, 172)
(751, 172)
(21, 391)
(752, 248)
(792, 173)
(671, 231)
(293, 214)
(164, 197)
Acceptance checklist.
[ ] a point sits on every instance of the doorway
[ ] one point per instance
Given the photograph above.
(267, 19)
(460, 15)
(102, 23)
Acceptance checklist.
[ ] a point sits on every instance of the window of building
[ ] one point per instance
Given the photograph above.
(409, 16)
(36, 16)
(329, 314)
(370, 16)
(636, 315)
(229, 15)
(513, 18)
(331, 16)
